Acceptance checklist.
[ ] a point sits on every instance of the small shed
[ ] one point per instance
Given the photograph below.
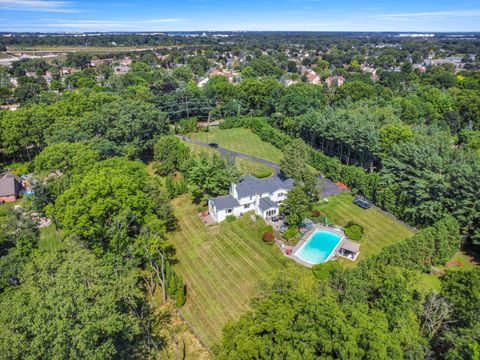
(349, 249)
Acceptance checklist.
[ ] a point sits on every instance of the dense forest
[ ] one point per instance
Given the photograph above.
(386, 118)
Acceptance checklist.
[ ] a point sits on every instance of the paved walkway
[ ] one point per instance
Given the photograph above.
(233, 154)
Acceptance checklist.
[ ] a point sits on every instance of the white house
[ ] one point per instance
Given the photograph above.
(263, 196)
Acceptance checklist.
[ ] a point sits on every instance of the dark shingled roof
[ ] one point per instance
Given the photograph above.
(224, 202)
(266, 203)
(350, 246)
(10, 184)
(9, 175)
(250, 185)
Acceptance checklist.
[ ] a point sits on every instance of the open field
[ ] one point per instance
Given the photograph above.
(221, 266)
(78, 48)
(241, 140)
(380, 230)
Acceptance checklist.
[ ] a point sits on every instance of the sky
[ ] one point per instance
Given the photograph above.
(238, 15)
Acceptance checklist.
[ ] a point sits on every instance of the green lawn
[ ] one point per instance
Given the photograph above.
(460, 261)
(49, 239)
(246, 166)
(249, 167)
(380, 230)
(221, 266)
(198, 149)
(241, 140)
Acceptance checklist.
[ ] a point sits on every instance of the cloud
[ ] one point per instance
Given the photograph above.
(37, 5)
(428, 15)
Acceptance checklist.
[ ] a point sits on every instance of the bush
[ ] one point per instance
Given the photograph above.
(318, 215)
(176, 288)
(354, 231)
(230, 218)
(322, 271)
(19, 168)
(261, 174)
(186, 126)
(268, 236)
(291, 233)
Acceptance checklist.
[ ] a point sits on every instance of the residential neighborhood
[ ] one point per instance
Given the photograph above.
(301, 182)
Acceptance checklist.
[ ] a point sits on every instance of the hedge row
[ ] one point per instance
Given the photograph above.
(353, 176)
(431, 246)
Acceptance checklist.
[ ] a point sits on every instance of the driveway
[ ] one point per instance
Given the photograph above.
(326, 187)
(233, 154)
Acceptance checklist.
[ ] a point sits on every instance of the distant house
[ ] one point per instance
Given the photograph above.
(214, 72)
(335, 80)
(313, 78)
(10, 187)
(122, 70)
(11, 107)
(263, 196)
(202, 82)
(126, 61)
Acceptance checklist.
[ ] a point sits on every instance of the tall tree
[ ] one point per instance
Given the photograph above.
(72, 305)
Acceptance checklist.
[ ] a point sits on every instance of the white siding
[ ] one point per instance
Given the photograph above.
(279, 195)
(271, 212)
(248, 203)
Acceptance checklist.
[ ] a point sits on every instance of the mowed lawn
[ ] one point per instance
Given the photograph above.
(241, 140)
(250, 167)
(245, 166)
(221, 266)
(380, 230)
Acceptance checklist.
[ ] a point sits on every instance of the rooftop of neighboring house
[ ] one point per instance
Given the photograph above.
(10, 184)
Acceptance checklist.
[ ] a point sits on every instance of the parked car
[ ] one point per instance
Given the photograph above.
(213, 145)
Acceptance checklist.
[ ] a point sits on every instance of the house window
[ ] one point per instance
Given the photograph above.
(246, 206)
(271, 212)
(251, 197)
(229, 211)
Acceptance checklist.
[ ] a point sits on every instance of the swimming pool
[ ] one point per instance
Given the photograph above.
(318, 247)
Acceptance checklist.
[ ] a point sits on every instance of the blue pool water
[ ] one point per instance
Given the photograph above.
(318, 247)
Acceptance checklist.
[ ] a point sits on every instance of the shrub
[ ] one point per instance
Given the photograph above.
(269, 228)
(176, 288)
(290, 233)
(261, 174)
(318, 215)
(230, 218)
(354, 231)
(268, 236)
(186, 126)
(322, 271)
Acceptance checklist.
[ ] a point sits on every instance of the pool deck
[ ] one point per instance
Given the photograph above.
(305, 237)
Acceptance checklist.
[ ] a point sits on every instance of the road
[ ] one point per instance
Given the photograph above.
(326, 187)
